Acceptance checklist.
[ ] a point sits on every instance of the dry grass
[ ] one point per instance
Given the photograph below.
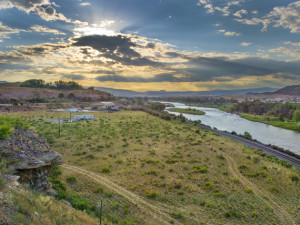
(191, 172)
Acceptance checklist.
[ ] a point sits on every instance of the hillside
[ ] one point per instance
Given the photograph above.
(150, 171)
(14, 91)
(128, 93)
(289, 90)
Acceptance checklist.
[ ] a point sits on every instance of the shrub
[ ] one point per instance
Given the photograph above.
(105, 170)
(249, 190)
(98, 190)
(177, 215)
(5, 131)
(152, 172)
(152, 195)
(198, 169)
(71, 180)
(294, 178)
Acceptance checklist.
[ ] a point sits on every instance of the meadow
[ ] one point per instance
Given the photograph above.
(168, 171)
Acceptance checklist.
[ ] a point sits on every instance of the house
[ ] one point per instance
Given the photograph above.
(108, 105)
(83, 117)
(73, 110)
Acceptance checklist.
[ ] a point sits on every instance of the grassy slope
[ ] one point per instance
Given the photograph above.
(274, 121)
(188, 111)
(13, 90)
(146, 155)
(34, 208)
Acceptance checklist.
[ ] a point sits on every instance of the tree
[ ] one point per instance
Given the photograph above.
(247, 135)
(296, 115)
(34, 83)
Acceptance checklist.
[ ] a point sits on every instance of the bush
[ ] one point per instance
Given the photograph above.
(5, 131)
(177, 215)
(294, 178)
(71, 180)
(98, 190)
(105, 170)
(152, 195)
(198, 169)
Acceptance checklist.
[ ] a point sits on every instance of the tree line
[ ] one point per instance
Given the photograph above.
(289, 111)
(60, 84)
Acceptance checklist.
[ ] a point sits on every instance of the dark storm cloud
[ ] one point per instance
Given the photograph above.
(39, 49)
(118, 48)
(202, 69)
(73, 77)
(108, 44)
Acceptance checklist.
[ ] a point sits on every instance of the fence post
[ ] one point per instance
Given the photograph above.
(58, 127)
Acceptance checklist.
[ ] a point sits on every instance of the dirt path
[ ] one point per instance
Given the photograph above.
(280, 211)
(157, 213)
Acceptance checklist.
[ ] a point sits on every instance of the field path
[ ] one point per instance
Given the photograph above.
(157, 213)
(280, 211)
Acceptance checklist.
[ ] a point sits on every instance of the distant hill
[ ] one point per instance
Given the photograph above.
(128, 93)
(14, 91)
(289, 90)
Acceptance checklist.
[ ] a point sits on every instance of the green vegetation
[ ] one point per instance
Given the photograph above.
(7, 123)
(285, 115)
(274, 121)
(195, 175)
(188, 111)
(61, 85)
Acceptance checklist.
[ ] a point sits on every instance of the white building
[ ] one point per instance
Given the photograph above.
(108, 105)
(84, 117)
(73, 110)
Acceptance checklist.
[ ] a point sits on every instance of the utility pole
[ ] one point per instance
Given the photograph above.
(100, 209)
(58, 127)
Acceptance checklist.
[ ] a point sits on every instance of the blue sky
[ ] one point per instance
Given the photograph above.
(152, 45)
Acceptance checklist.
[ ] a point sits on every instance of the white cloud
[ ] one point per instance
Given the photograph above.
(42, 8)
(240, 13)
(293, 52)
(229, 33)
(246, 43)
(254, 12)
(42, 29)
(211, 8)
(292, 43)
(5, 30)
(85, 4)
(286, 17)
(94, 29)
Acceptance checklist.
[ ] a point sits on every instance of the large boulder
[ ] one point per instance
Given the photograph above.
(31, 158)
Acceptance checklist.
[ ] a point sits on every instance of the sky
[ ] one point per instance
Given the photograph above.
(152, 45)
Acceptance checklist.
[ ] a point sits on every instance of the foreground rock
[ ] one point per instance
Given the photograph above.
(31, 158)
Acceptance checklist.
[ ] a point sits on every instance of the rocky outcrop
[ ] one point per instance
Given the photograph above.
(31, 158)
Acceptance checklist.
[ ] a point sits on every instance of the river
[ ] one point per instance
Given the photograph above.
(264, 133)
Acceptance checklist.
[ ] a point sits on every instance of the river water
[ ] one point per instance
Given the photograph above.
(264, 133)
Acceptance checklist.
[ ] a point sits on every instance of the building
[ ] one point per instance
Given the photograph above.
(73, 110)
(108, 105)
(83, 117)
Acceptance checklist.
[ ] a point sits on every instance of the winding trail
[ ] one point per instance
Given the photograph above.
(280, 211)
(157, 212)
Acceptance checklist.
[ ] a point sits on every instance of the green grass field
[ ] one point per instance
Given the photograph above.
(188, 111)
(274, 121)
(195, 176)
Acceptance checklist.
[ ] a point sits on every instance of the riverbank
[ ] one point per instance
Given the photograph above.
(274, 121)
(188, 111)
